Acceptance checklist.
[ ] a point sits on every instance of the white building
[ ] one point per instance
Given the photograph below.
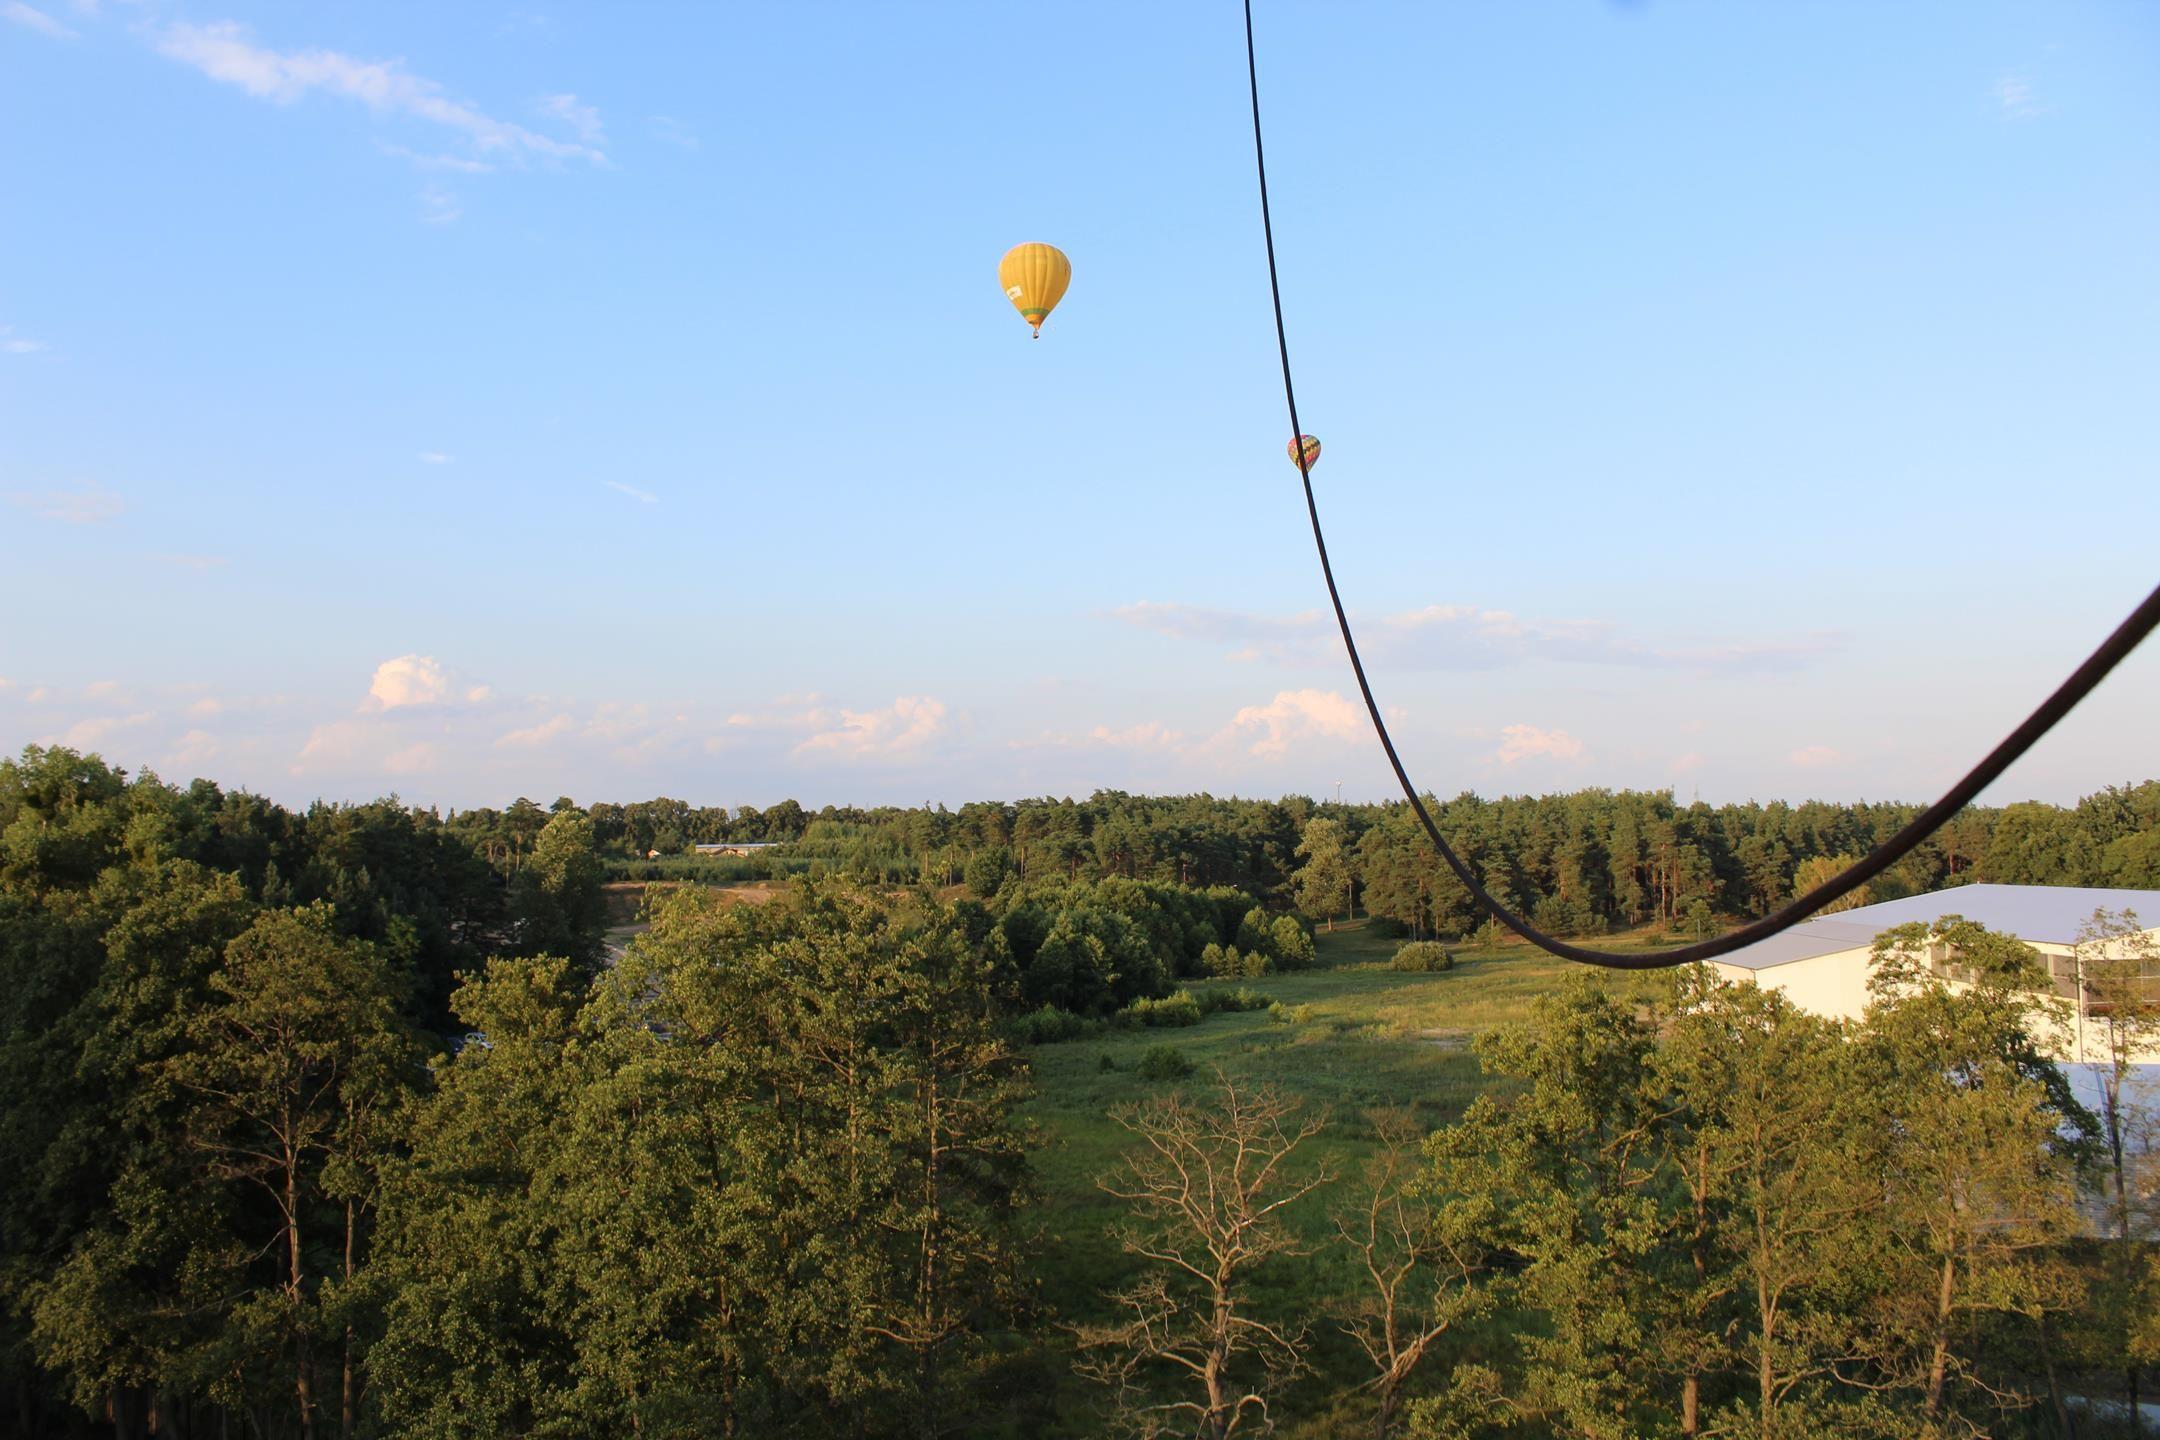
(1823, 964)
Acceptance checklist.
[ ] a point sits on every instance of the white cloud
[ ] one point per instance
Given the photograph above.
(1148, 735)
(461, 164)
(538, 734)
(412, 760)
(575, 113)
(226, 52)
(15, 344)
(409, 680)
(33, 19)
(196, 747)
(1454, 637)
(805, 711)
(85, 734)
(909, 723)
(643, 497)
(434, 457)
(84, 505)
(2014, 93)
(206, 707)
(672, 131)
(438, 206)
(1813, 757)
(1295, 715)
(338, 742)
(1523, 742)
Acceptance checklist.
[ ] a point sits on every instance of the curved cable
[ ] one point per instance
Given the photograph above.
(2125, 639)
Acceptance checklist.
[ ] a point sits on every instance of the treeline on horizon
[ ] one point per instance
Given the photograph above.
(1579, 863)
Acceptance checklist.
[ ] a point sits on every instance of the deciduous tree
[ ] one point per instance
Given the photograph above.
(1207, 1183)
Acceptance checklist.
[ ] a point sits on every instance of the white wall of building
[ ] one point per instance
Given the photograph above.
(1834, 985)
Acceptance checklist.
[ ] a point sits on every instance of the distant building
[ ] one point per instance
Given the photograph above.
(734, 847)
(1823, 964)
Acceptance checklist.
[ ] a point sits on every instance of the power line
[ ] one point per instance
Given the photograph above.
(2081, 683)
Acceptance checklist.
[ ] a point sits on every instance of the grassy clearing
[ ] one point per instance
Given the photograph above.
(1370, 1038)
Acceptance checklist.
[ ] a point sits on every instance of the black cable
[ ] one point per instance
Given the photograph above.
(2065, 699)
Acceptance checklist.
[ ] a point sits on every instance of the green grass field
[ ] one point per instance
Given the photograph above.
(1371, 1038)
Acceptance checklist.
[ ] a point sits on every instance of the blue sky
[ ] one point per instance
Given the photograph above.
(469, 401)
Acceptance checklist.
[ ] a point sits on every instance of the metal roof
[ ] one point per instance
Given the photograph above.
(2053, 913)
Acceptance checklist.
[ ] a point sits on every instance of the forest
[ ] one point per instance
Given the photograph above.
(1595, 858)
(1148, 1116)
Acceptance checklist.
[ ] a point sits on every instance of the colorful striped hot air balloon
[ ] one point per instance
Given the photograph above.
(1311, 446)
(1035, 276)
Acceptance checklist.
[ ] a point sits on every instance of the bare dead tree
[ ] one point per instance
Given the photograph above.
(1208, 1183)
(1421, 1273)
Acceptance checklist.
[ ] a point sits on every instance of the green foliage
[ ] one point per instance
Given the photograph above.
(1049, 1025)
(1324, 882)
(1565, 915)
(1093, 960)
(1170, 1012)
(1700, 923)
(1164, 1062)
(555, 902)
(1234, 964)
(1611, 860)
(1422, 957)
(1290, 944)
(707, 869)
(1214, 999)
(986, 871)
(698, 1192)
(754, 1131)
(1732, 1207)
(1184, 1007)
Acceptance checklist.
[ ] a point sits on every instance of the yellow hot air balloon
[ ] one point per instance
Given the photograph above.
(1035, 276)
(1311, 446)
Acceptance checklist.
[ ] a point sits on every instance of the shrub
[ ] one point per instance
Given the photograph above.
(1049, 1025)
(1171, 1012)
(1234, 1001)
(1236, 964)
(1103, 1063)
(1212, 960)
(1564, 917)
(1291, 942)
(1163, 1062)
(1422, 957)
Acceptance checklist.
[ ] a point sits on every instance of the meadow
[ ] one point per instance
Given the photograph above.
(1365, 1039)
